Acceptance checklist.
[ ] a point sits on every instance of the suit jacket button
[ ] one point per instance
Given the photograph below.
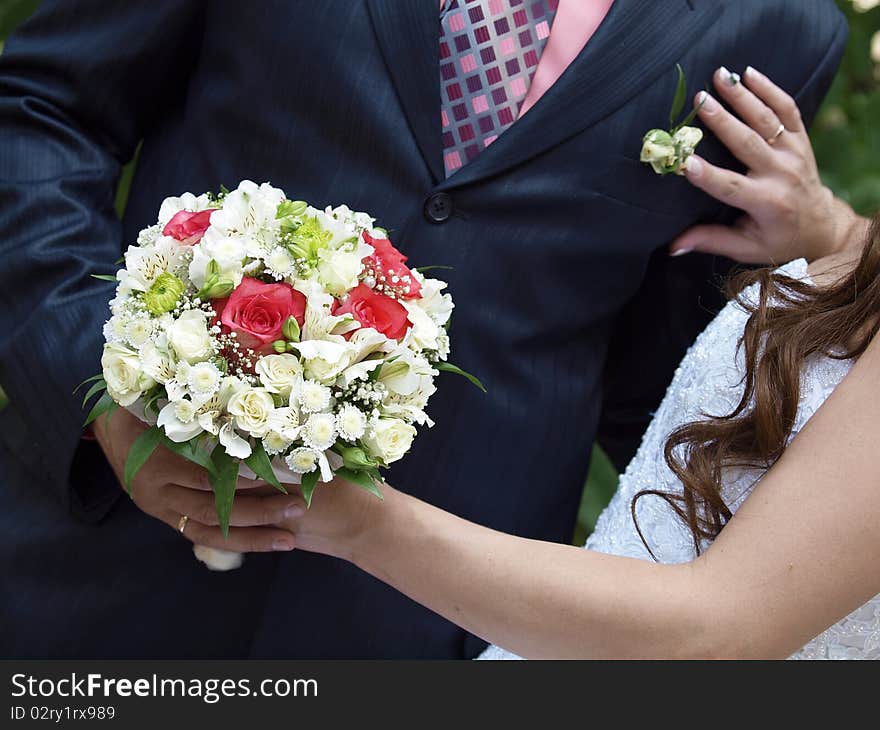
(438, 208)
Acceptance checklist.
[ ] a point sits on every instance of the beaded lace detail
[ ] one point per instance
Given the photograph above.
(709, 380)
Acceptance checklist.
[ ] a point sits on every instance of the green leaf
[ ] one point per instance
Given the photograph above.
(99, 376)
(223, 479)
(361, 478)
(693, 115)
(448, 367)
(309, 482)
(680, 96)
(190, 451)
(105, 277)
(141, 450)
(104, 404)
(261, 465)
(95, 389)
(423, 269)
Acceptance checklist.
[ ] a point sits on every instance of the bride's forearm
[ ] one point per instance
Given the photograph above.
(534, 598)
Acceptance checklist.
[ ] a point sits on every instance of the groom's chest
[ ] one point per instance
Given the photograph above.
(312, 89)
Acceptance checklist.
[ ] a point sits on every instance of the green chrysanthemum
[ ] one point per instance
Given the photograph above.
(309, 238)
(163, 295)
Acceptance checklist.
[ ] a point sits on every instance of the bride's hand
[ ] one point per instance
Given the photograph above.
(789, 213)
(339, 515)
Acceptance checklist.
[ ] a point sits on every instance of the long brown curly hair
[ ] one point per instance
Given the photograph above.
(789, 321)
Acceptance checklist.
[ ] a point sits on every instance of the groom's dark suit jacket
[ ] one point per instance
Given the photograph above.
(561, 306)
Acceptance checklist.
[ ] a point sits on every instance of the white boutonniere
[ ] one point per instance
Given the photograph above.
(668, 151)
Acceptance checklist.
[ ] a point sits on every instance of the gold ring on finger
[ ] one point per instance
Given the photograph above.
(779, 132)
(181, 524)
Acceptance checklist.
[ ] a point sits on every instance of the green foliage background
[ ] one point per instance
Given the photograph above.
(846, 138)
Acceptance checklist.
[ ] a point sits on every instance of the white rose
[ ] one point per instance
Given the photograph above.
(251, 409)
(278, 373)
(188, 336)
(438, 305)
(338, 271)
(389, 439)
(122, 373)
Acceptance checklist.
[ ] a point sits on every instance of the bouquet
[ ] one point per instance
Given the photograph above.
(260, 336)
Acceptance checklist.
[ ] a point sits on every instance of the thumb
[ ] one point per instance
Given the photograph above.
(720, 241)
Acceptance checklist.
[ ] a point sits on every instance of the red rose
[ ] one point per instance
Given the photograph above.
(188, 227)
(382, 313)
(256, 312)
(388, 262)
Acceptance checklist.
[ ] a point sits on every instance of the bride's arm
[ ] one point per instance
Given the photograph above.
(801, 553)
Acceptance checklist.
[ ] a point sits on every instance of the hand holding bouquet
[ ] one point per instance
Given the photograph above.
(261, 336)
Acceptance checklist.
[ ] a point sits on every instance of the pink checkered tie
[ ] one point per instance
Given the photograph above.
(489, 50)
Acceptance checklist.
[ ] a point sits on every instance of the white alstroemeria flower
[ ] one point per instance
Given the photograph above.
(249, 215)
(359, 371)
(319, 431)
(278, 373)
(341, 230)
(211, 410)
(203, 380)
(122, 372)
(179, 421)
(351, 422)
(189, 338)
(438, 305)
(311, 396)
(172, 206)
(411, 407)
(251, 408)
(388, 439)
(144, 265)
(157, 362)
(235, 445)
(319, 323)
(285, 421)
(228, 252)
(325, 360)
(424, 333)
(367, 340)
(304, 460)
(405, 372)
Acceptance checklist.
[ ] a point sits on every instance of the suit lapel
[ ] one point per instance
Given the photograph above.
(638, 41)
(409, 36)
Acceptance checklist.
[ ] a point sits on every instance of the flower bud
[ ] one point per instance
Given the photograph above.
(356, 459)
(658, 150)
(217, 289)
(280, 346)
(162, 296)
(290, 329)
(291, 208)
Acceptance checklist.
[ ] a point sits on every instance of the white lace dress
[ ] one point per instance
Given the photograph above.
(709, 380)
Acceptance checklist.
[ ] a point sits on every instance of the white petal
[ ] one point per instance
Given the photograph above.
(234, 444)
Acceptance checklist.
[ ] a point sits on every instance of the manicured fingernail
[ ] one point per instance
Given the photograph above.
(282, 546)
(708, 103)
(680, 252)
(693, 167)
(732, 79)
(752, 73)
(293, 510)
